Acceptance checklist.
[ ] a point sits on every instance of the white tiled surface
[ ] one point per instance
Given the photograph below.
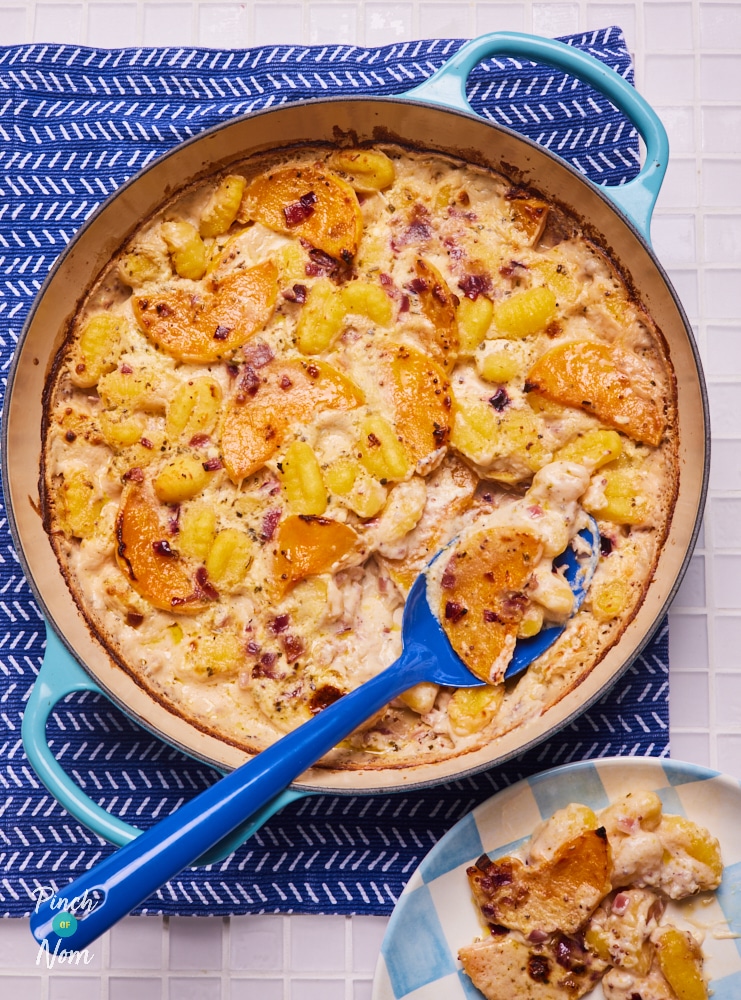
(688, 64)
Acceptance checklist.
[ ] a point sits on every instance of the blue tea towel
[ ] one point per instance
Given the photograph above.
(74, 124)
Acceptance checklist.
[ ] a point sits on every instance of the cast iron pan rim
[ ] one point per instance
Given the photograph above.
(380, 100)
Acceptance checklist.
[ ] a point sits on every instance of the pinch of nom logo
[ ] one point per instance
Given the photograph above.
(64, 925)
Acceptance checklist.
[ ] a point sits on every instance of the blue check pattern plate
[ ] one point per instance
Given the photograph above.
(435, 915)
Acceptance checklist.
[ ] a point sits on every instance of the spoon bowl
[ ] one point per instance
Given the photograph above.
(116, 885)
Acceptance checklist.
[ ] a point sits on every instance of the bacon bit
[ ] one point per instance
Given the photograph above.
(199, 440)
(232, 369)
(322, 697)
(605, 545)
(500, 400)
(162, 548)
(538, 968)
(418, 231)
(135, 475)
(535, 510)
(162, 309)
(570, 954)
(320, 263)
(253, 648)
(126, 369)
(257, 355)
(455, 250)
(404, 307)
(386, 280)
(439, 293)
(293, 647)
(205, 586)
(266, 666)
(285, 382)
(213, 464)
(222, 332)
(279, 624)
(134, 619)
(454, 611)
(301, 210)
(513, 606)
(174, 522)
(418, 285)
(373, 440)
(146, 443)
(447, 581)
(529, 386)
(296, 294)
(248, 384)
(537, 936)
(312, 371)
(491, 616)
(269, 524)
(497, 930)
(514, 267)
(627, 824)
(473, 285)
(553, 329)
(620, 904)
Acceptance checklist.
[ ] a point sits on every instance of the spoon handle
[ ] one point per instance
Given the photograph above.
(106, 893)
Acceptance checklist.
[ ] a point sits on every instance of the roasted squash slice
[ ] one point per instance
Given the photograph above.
(483, 599)
(307, 202)
(207, 325)
(604, 381)
(306, 546)
(267, 401)
(148, 561)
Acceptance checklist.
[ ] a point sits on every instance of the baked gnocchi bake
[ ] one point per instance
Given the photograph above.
(585, 902)
(301, 380)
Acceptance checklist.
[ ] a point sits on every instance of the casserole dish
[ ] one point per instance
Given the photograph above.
(368, 120)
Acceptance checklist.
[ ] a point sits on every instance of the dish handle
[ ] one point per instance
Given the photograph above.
(636, 198)
(60, 675)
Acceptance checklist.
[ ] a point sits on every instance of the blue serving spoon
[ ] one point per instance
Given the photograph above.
(90, 905)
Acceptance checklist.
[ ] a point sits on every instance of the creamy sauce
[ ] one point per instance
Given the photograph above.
(259, 658)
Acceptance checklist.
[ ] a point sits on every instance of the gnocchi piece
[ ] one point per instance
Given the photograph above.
(474, 318)
(197, 530)
(358, 490)
(181, 479)
(194, 409)
(366, 169)
(96, 349)
(321, 319)
(143, 265)
(680, 960)
(472, 709)
(302, 481)
(610, 599)
(79, 504)
(187, 249)
(229, 558)
(592, 449)
(364, 298)
(382, 451)
(221, 210)
(525, 313)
